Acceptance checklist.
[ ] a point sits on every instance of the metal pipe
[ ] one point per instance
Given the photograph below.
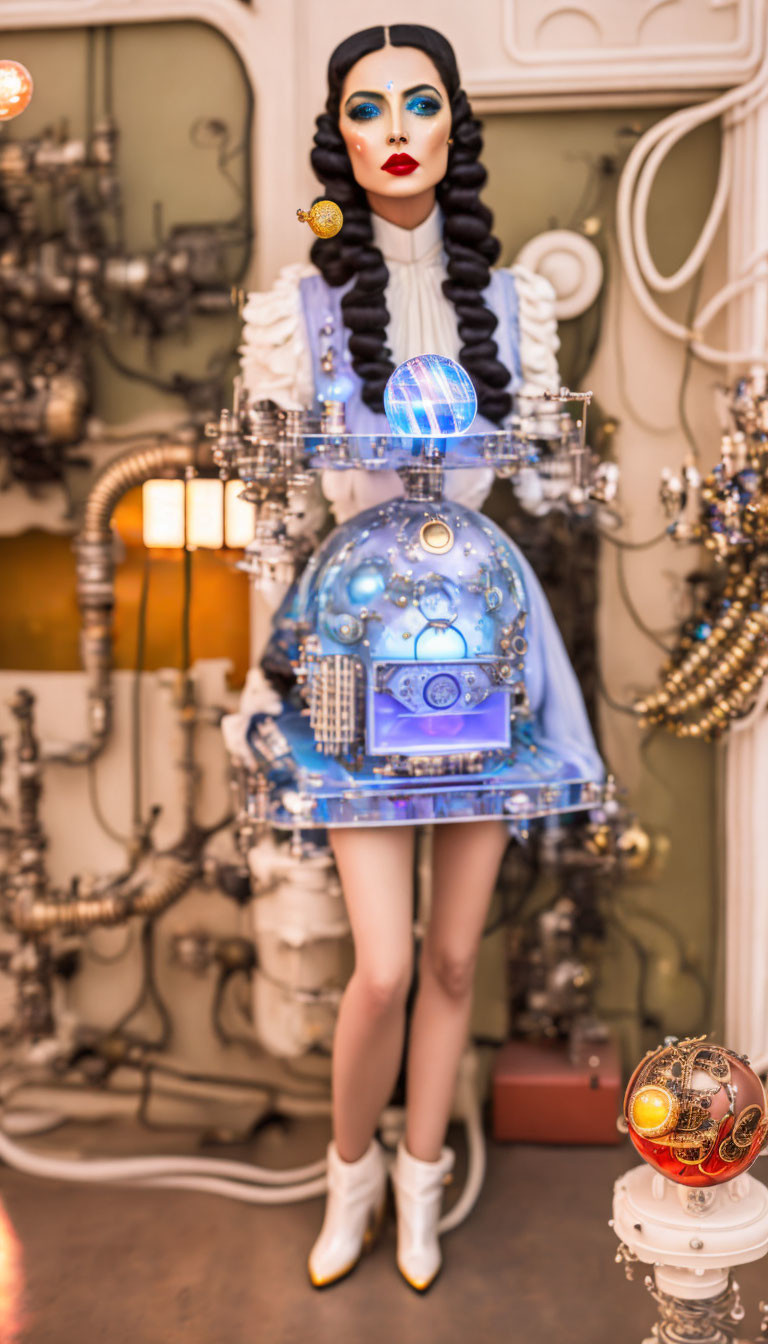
(95, 581)
(33, 915)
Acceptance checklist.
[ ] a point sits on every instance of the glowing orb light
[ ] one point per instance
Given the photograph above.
(696, 1112)
(430, 395)
(15, 89)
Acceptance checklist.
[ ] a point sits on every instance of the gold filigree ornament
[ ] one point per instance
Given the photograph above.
(324, 218)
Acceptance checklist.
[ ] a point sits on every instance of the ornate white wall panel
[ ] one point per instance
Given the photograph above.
(646, 44)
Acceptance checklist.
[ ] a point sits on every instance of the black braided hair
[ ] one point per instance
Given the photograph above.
(470, 246)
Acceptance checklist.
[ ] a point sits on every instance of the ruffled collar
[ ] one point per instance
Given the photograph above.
(424, 243)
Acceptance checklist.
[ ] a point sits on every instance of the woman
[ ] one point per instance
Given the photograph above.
(398, 149)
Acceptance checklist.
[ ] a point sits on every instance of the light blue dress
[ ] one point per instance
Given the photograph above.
(424, 626)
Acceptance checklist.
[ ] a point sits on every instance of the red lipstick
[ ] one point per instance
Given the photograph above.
(400, 164)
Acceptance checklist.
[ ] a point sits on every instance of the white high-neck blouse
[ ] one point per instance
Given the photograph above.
(421, 316)
(276, 361)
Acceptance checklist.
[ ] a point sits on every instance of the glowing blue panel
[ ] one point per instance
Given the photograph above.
(430, 395)
(391, 728)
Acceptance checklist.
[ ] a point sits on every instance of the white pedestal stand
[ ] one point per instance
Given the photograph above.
(693, 1238)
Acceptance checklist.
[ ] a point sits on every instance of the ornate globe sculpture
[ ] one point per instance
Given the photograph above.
(696, 1112)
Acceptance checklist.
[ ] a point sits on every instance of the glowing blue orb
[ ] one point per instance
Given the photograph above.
(429, 395)
(367, 581)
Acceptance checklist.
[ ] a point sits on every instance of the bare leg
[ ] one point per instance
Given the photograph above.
(376, 869)
(465, 866)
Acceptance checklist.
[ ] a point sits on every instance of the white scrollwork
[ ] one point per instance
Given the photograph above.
(634, 44)
(572, 265)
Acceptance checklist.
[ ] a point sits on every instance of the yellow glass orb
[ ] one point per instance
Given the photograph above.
(15, 89)
(654, 1111)
(324, 218)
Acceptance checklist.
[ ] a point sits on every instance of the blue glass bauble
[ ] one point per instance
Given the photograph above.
(367, 581)
(336, 386)
(429, 395)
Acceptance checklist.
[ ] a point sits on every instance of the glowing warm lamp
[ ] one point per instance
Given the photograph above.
(163, 513)
(239, 516)
(205, 513)
(15, 89)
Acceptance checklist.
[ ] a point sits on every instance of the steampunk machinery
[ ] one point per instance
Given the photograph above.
(67, 278)
(717, 669)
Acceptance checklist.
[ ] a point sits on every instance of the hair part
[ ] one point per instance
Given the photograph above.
(470, 246)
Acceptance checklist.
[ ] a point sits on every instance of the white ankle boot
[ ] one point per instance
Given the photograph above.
(418, 1196)
(354, 1212)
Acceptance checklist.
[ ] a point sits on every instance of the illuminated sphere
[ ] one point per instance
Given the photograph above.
(15, 89)
(429, 395)
(696, 1112)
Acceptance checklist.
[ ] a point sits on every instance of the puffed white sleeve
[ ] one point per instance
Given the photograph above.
(275, 357)
(539, 341)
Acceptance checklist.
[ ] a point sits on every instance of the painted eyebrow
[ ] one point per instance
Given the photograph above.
(363, 93)
(422, 88)
(369, 93)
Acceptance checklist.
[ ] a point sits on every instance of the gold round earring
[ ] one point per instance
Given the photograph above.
(450, 141)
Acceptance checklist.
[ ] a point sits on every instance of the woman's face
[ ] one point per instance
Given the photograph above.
(395, 120)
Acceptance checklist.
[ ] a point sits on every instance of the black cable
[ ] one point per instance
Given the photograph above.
(90, 83)
(138, 375)
(632, 545)
(509, 913)
(217, 1005)
(632, 609)
(594, 180)
(148, 992)
(108, 70)
(93, 798)
(687, 366)
(643, 959)
(186, 609)
(608, 698)
(686, 966)
(621, 370)
(141, 639)
(99, 957)
(248, 1084)
(145, 1096)
(645, 743)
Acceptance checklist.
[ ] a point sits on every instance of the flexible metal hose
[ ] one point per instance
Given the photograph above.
(167, 884)
(122, 474)
(95, 581)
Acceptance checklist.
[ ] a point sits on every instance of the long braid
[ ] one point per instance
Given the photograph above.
(470, 246)
(472, 249)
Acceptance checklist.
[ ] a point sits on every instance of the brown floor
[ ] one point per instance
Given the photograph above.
(534, 1262)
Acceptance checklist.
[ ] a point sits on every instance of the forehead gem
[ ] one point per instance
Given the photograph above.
(389, 86)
